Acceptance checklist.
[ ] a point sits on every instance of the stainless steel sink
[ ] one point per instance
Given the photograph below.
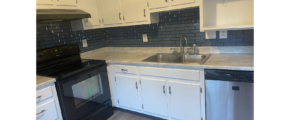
(200, 58)
(161, 57)
(178, 58)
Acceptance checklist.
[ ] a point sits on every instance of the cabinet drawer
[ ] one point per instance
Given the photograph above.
(43, 94)
(172, 73)
(126, 69)
(46, 111)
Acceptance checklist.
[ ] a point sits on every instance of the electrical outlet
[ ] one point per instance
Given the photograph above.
(145, 39)
(223, 34)
(210, 34)
(85, 44)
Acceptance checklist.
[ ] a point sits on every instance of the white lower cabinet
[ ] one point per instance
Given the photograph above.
(128, 92)
(154, 96)
(47, 111)
(163, 94)
(184, 100)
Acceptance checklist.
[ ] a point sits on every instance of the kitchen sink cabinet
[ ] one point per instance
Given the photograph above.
(128, 92)
(167, 93)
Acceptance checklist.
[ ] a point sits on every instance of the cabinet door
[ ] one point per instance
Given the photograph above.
(44, 2)
(134, 10)
(46, 111)
(179, 2)
(184, 100)
(128, 92)
(154, 96)
(111, 12)
(153, 4)
(66, 2)
(91, 7)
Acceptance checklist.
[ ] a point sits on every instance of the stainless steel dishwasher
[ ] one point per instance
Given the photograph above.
(229, 95)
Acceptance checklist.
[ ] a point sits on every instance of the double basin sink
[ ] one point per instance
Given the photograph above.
(178, 58)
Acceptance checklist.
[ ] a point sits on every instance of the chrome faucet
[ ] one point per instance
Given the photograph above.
(194, 49)
(182, 49)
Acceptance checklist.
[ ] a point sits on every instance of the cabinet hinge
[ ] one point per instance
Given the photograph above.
(115, 78)
(200, 90)
(140, 82)
(118, 100)
(142, 106)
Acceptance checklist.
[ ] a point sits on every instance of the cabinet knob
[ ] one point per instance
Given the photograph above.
(165, 0)
(136, 85)
(163, 88)
(103, 20)
(38, 97)
(120, 16)
(169, 90)
(144, 13)
(100, 21)
(124, 18)
(125, 70)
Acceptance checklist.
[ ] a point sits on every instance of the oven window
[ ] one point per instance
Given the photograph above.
(87, 90)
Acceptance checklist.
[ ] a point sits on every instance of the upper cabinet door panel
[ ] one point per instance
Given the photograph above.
(134, 10)
(184, 100)
(111, 12)
(44, 2)
(91, 7)
(153, 4)
(67, 2)
(180, 2)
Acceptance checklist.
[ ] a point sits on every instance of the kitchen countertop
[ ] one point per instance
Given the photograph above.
(215, 61)
(43, 80)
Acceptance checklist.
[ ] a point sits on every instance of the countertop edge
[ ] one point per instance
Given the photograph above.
(245, 68)
(45, 83)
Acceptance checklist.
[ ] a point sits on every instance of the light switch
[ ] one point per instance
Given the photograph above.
(145, 39)
(223, 34)
(210, 34)
(85, 44)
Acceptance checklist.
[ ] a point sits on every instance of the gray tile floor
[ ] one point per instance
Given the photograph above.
(119, 115)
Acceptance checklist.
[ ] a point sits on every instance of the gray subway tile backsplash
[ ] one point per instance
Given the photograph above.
(166, 33)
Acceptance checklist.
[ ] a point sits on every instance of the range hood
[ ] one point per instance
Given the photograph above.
(59, 15)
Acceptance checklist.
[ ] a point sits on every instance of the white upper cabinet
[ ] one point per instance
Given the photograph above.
(128, 92)
(180, 2)
(184, 100)
(111, 12)
(153, 4)
(134, 10)
(67, 2)
(44, 2)
(154, 96)
(226, 15)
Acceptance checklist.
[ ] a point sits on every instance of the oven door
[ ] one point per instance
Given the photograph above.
(83, 93)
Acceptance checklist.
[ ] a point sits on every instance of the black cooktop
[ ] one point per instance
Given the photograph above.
(62, 61)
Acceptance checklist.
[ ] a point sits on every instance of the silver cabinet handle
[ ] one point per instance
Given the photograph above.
(103, 20)
(124, 18)
(38, 97)
(125, 70)
(163, 88)
(169, 90)
(165, 0)
(148, 4)
(76, 1)
(100, 21)
(144, 13)
(136, 85)
(40, 112)
(120, 16)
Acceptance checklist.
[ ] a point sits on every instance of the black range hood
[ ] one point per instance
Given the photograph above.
(59, 15)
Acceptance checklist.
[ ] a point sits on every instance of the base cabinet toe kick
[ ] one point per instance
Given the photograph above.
(164, 92)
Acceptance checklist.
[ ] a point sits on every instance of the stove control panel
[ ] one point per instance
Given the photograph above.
(56, 52)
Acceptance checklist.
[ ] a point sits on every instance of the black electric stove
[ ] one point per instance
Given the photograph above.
(82, 84)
